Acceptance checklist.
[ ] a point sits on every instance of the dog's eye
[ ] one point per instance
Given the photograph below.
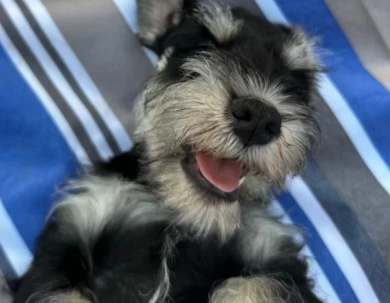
(229, 44)
(206, 46)
(189, 76)
(299, 92)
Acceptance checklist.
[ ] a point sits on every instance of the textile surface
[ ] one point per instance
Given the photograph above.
(70, 71)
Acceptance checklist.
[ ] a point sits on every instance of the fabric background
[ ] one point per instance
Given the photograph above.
(71, 69)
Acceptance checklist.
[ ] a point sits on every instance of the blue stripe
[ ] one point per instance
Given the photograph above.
(320, 251)
(34, 157)
(351, 229)
(367, 98)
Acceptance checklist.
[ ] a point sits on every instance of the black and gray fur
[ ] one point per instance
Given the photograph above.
(147, 227)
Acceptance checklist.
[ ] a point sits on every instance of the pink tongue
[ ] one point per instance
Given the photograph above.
(222, 173)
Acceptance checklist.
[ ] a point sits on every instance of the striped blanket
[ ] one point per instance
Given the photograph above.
(70, 70)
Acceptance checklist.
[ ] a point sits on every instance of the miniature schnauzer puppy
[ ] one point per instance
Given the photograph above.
(184, 217)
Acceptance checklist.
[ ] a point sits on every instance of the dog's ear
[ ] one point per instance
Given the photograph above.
(299, 50)
(301, 54)
(157, 17)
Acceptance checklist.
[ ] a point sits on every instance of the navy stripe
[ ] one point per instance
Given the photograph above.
(351, 230)
(368, 99)
(34, 156)
(320, 251)
(41, 75)
(68, 76)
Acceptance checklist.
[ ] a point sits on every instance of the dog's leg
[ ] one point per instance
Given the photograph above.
(101, 244)
(275, 272)
(260, 289)
(249, 290)
(58, 297)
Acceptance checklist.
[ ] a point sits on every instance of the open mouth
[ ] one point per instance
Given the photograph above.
(218, 176)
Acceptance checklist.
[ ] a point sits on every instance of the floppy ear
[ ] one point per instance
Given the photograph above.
(157, 17)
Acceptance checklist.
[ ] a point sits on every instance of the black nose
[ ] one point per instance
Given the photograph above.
(254, 121)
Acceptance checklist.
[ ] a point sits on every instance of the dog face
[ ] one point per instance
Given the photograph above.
(230, 99)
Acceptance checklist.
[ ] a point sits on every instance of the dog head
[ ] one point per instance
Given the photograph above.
(230, 99)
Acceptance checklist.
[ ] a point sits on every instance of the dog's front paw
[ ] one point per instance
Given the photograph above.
(259, 289)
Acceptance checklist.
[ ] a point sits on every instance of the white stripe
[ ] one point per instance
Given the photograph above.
(271, 11)
(333, 240)
(128, 9)
(322, 288)
(355, 131)
(44, 98)
(79, 73)
(16, 251)
(57, 78)
(342, 111)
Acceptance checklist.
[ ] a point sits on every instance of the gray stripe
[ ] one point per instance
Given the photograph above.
(362, 33)
(68, 76)
(5, 267)
(348, 174)
(107, 48)
(45, 81)
(379, 12)
(350, 228)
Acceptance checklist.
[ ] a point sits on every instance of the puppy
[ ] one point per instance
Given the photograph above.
(184, 216)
